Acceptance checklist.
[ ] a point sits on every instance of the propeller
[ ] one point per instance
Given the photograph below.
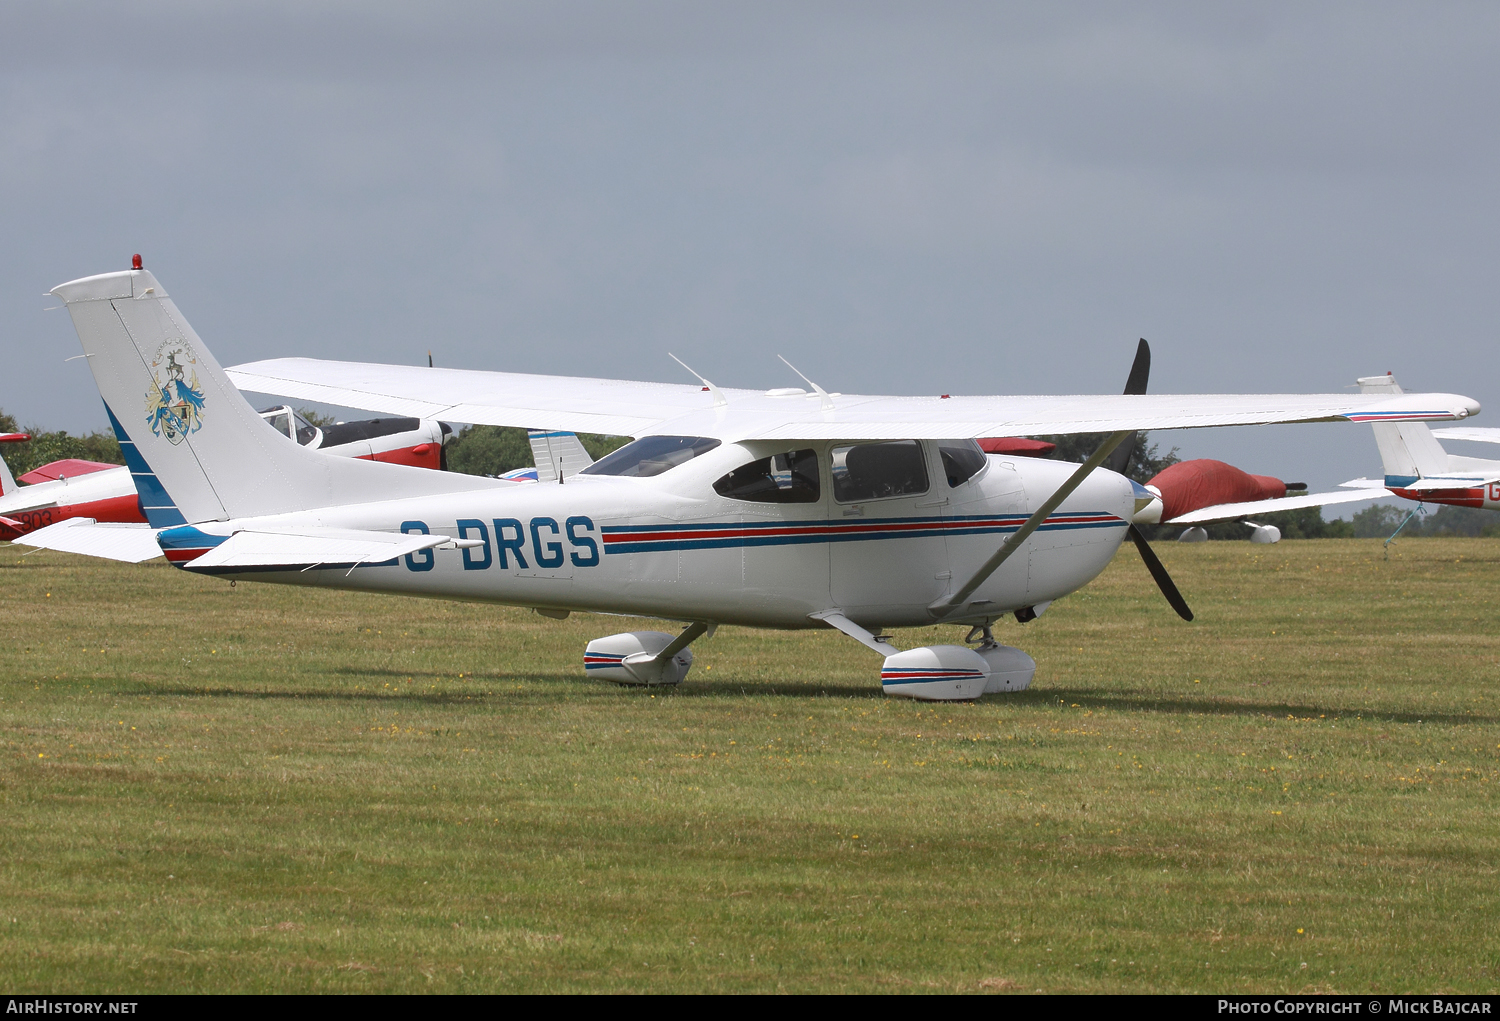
(1135, 383)
(1119, 459)
(1159, 572)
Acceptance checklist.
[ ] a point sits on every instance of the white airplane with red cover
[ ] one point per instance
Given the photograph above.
(774, 509)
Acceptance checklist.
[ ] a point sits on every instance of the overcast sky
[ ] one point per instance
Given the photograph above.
(901, 198)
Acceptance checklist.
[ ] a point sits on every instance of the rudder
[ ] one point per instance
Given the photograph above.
(197, 449)
(1407, 449)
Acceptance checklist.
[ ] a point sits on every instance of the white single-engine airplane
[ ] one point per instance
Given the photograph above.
(775, 509)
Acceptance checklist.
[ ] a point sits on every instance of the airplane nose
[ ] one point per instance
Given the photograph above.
(1147, 504)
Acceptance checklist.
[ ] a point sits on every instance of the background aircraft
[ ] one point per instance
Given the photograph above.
(779, 509)
(103, 492)
(75, 488)
(1416, 468)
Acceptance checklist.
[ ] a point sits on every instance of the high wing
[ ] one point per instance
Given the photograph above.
(1230, 511)
(626, 408)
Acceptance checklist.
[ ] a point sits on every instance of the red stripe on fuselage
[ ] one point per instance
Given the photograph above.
(841, 528)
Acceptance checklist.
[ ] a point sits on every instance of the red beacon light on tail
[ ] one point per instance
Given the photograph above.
(135, 261)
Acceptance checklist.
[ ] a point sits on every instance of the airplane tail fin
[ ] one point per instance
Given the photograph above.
(558, 455)
(1408, 449)
(197, 450)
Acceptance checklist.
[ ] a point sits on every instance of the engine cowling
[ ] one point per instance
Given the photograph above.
(630, 658)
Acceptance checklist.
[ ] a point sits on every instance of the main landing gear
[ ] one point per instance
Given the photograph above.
(643, 658)
(932, 673)
(956, 673)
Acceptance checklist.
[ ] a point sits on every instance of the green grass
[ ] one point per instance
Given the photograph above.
(270, 789)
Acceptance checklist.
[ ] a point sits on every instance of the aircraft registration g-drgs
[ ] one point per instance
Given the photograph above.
(775, 509)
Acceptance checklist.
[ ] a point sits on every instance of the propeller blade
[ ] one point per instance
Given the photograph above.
(1135, 383)
(1159, 572)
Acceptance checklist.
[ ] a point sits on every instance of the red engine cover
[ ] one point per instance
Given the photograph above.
(1192, 485)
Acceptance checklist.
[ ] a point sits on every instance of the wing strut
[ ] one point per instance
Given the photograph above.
(947, 605)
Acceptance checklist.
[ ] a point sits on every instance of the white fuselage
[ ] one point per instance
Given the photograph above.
(669, 546)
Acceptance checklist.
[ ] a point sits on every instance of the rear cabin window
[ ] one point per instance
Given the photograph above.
(781, 478)
(651, 455)
(871, 471)
(962, 460)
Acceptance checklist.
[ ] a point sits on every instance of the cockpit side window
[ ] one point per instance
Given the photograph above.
(651, 455)
(871, 471)
(781, 478)
(280, 419)
(292, 425)
(308, 434)
(962, 460)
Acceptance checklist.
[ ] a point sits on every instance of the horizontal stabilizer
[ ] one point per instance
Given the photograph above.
(1230, 511)
(131, 543)
(1439, 483)
(1363, 484)
(311, 547)
(1474, 434)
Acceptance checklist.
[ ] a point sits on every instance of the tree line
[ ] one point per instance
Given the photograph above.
(494, 450)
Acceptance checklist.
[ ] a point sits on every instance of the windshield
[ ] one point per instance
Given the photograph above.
(651, 455)
(962, 460)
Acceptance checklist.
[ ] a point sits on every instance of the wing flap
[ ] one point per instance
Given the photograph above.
(130, 543)
(1229, 511)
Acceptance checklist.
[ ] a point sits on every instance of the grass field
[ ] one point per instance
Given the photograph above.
(257, 788)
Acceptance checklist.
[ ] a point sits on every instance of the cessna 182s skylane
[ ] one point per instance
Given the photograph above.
(775, 509)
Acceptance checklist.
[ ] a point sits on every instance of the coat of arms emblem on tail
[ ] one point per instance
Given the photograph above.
(174, 404)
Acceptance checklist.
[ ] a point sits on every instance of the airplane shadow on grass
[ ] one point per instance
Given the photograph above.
(1082, 698)
(1145, 701)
